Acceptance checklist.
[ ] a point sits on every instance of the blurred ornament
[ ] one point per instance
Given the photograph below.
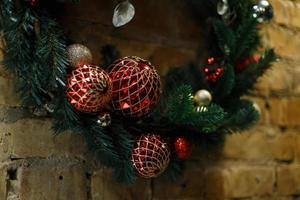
(202, 98)
(79, 55)
(257, 108)
(49, 107)
(104, 119)
(150, 156)
(123, 13)
(34, 2)
(136, 86)
(223, 9)
(263, 11)
(241, 65)
(183, 148)
(89, 88)
(212, 70)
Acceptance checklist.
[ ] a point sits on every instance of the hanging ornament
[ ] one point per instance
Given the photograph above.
(104, 119)
(241, 65)
(223, 9)
(89, 89)
(136, 86)
(33, 3)
(263, 11)
(202, 98)
(150, 156)
(79, 55)
(257, 108)
(123, 13)
(212, 70)
(183, 148)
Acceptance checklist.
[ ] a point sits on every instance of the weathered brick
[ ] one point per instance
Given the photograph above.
(103, 186)
(51, 179)
(288, 180)
(283, 84)
(285, 111)
(172, 29)
(247, 181)
(186, 187)
(240, 182)
(214, 187)
(287, 12)
(280, 38)
(3, 182)
(176, 57)
(8, 94)
(34, 138)
(261, 144)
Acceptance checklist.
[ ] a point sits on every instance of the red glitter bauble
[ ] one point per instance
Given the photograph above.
(151, 156)
(89, 88)
(136, 86)
(34, 2)
(213, 70)
(243, 64)
(183, 148)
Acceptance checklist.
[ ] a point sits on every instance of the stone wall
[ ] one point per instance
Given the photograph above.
(263, 164)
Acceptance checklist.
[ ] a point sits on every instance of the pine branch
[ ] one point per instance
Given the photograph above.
(246, 80)
(241, 117)
(225, 36)
(181, 112)
(64, 116)
(224, 85)
(246, 39)
(124, 171)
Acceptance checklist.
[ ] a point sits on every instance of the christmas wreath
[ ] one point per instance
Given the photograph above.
(132, 120)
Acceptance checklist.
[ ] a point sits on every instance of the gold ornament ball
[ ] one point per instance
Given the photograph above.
(79, 55)
(202, 98)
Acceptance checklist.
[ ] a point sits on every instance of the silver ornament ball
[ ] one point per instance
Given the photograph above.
(202, 98)
(123, 13)
(263, 11)
(222, 7)
(79, 55)
(104, 119)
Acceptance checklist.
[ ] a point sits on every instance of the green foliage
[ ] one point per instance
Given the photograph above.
(245, 80)
(236, 43)
(181, 111)
(225, 84)
(242, 116)
(36, 53)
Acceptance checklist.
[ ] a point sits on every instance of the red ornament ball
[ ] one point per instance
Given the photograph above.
(213, 70)
(34, 3)
(89, 88)
(151, 156)
(136, 86)
(243, 64)
(183, 148)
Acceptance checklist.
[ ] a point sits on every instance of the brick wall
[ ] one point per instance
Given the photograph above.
(263, 164)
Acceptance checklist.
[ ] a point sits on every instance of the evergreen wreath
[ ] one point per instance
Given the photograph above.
(127, 120)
